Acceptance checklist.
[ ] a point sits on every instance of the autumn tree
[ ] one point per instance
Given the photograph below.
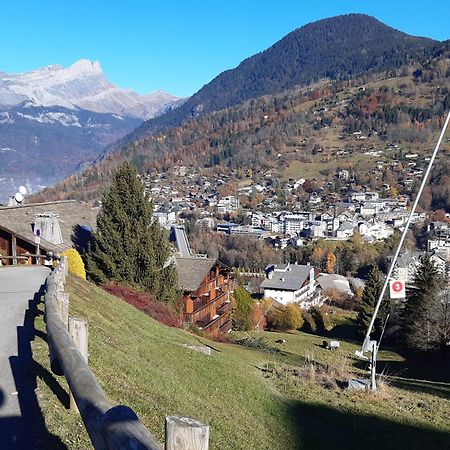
(285, 317)
(331, 262)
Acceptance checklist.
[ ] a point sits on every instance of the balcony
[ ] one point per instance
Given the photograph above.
(219, 325)
(225, 308)
(204, 308)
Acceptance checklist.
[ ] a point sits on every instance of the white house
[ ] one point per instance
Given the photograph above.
(374, 232)
(292, 283)
(293, 223)
(345, 230)
(228, 204)
(165, 218)
(363, 196)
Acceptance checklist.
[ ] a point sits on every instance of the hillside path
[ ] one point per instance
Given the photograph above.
(20, 291)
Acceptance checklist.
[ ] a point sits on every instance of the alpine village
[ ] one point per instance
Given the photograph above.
(262, 265)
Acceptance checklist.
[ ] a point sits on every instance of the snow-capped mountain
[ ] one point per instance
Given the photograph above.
(53, 119)
(82, 85)
(39, 145)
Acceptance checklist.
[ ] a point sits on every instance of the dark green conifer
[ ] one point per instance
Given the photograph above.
(369, 299)
(423, 309)
(128, 246)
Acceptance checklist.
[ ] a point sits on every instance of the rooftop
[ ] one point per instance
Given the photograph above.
(71, 216)
(287, 277)
(191, 271)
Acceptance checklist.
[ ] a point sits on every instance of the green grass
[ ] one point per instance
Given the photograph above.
(319, 168)
(143, 364)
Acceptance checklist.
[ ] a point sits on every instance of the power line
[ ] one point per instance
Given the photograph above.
(366, 344)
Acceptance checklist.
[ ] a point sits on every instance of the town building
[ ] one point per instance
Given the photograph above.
(292, 283)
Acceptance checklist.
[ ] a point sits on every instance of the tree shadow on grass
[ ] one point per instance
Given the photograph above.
(320, 427)
(428, 387)
(345, 332)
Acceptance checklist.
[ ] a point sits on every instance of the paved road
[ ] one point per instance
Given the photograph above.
(19, 288)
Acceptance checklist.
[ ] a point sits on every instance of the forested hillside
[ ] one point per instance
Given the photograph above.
(323, 128)
(337, 48)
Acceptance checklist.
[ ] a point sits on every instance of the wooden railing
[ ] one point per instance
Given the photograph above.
(109, 427)
(206, 308)
(39, 259)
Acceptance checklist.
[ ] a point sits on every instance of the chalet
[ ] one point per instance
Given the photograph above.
(206, 286)
(292, 283)
(62, 225)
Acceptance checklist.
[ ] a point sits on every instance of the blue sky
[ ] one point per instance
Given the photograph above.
(179, 45)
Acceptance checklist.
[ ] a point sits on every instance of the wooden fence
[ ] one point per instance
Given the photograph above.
(109, 427)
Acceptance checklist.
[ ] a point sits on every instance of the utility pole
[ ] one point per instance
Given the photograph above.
(369, 345)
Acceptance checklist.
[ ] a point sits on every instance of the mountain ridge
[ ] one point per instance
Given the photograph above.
(328, 48)
(81, 85)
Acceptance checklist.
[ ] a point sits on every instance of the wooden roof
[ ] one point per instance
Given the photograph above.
(192, 271)
(71, 215)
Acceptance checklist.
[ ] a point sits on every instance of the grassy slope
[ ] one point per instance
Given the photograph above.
(144, 364)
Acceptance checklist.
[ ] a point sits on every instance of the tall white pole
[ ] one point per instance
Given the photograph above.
(365, 346)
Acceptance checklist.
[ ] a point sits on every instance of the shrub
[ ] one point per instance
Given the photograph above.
(322, 319)
(241, 314)
(285, 318)
(145, 302)
(347, 302)
(76, 265)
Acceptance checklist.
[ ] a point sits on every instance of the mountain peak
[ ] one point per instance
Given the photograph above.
(86, 66)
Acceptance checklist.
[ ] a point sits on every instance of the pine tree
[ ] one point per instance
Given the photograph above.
(369, 299)
(423, 309)
(128, 246)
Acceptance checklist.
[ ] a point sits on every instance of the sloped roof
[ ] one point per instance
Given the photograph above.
(192, 271)
(178, 236)
(334, 282)
(346, 225)
(288, 279)
(71, 214)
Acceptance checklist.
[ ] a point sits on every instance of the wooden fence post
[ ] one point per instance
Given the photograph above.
(184, 433)
(62, 299)
(14, 249)
(65, 265)
(78, 329)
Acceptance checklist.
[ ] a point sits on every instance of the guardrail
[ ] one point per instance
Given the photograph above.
(109, 427)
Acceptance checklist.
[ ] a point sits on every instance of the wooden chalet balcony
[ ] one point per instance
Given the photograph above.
(219, 325)
(226, 327)
(225, 308)
(204, 308)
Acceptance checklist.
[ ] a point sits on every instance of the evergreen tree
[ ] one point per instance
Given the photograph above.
(423, 309)
(128, 246)
(369, 299)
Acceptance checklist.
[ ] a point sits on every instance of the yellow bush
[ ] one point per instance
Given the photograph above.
(76, 265)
